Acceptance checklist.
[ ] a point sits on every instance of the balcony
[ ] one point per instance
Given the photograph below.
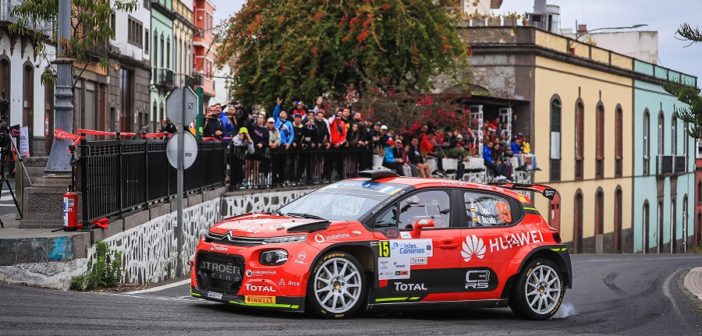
(164, 79)
(671, 165)
(6, 7)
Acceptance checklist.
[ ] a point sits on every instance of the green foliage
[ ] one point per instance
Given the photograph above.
(90, 26)
(350, 51)
(692, 112)
(102, 273)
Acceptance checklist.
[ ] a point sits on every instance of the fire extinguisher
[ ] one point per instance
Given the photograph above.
(70, 211)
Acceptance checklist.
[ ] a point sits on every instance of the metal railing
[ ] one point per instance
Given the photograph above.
(117, 176)
(268, 168)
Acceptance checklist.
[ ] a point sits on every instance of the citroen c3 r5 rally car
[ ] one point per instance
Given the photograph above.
(388, 242)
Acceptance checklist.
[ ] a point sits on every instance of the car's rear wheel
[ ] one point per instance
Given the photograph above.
(337, 285)
(539, 291)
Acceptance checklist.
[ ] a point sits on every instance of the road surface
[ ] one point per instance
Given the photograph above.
(620, 295)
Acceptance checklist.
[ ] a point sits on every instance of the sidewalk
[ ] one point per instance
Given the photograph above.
(693, 282)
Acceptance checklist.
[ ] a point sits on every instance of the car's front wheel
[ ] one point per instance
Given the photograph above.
(337, 285)
(539, 291)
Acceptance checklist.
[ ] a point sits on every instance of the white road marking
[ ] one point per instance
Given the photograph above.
(637, 259)
(160, 288)
(666, 291)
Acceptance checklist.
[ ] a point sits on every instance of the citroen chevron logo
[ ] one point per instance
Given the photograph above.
(473, 247)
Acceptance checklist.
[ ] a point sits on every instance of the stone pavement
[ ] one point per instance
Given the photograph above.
(693, 282)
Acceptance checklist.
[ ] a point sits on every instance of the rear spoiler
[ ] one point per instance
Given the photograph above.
(545, 190)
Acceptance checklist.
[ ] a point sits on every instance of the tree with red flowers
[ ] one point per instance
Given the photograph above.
(363, 52)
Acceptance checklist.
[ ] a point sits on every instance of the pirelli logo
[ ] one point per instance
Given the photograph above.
(252, 299)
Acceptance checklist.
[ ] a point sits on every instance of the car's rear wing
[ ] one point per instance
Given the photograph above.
(545, 190)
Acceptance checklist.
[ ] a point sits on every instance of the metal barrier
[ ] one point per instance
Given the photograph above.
(292, 167)
(116, 176)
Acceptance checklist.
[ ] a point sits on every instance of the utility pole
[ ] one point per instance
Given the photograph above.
(59, 159)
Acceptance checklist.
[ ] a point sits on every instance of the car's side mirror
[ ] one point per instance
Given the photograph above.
(419, 225)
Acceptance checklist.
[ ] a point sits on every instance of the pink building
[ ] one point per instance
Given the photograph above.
(204, 48)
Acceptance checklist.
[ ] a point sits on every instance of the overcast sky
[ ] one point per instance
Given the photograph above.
(661, 16)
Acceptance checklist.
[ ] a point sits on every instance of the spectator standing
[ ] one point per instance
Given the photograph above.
(338, 133)
(243, 147)
(167, 127)
(278, 107)
(213, 126)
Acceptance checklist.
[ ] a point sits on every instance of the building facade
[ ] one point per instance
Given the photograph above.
(698, 197)
(579, 104)
(31, 102)
(664, 181)
(204, 47)
(129, 100)
(183, 30)
(162, 68)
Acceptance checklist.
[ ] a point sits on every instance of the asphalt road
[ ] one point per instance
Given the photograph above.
(621, 295)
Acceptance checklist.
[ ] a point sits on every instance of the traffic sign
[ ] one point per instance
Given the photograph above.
(189, 150)
(176, 105)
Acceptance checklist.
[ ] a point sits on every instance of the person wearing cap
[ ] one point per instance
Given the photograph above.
(243, 139)
(390, 161)
(242, 148)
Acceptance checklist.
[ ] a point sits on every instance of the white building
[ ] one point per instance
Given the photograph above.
(31, 103)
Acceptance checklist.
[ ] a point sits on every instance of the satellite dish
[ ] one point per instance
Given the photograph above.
(190, 150)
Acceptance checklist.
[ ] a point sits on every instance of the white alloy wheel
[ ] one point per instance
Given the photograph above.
(337, 285)
(543, 289)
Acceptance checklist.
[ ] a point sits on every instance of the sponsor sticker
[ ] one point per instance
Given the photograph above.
(259, 288)
(214, 295)
(475, 247)
(410, 287)
(320, 238)
(257, 299)
(418, 260)
(218, 248)
(259, 273)
(397, 267)
(412, 247)
(405, 235)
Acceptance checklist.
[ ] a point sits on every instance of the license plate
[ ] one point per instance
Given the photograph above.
(214, 295)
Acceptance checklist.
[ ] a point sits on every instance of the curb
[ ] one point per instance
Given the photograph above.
(693, 282)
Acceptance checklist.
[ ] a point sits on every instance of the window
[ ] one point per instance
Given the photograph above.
(555, 168)
(146, 41)
(699, 192)
(578, 227)
(488, 210)
(579, 139)
(135, 32)
(113, 25)
(599, 212)
(661, 134)
(162, 51)
(600, 139)
(646, 225)
(430, 204)
(646, 142)
(618, 141)
(388, 219)
(674, 136)
(618, 220)
(168, 52)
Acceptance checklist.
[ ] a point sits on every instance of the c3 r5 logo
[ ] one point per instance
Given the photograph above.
(478, 279)
(384, 248)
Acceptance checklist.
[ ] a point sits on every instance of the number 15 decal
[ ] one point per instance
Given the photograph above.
(384, 248)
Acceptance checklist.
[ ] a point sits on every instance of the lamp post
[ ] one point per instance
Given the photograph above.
(589, 32)
(59, 161)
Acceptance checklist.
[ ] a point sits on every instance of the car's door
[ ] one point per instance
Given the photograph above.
(426, 266)
(489, 241)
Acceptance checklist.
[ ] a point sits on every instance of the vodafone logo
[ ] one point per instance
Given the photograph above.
(319, 238)
(473, 247)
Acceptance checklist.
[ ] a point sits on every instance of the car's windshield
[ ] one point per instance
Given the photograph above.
(345, 200)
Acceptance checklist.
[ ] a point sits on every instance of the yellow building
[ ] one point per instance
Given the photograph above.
(183, 31)
(576, 102)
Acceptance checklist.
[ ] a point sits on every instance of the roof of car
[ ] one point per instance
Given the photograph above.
(432, 182)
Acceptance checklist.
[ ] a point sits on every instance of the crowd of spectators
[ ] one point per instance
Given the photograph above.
(308, 141)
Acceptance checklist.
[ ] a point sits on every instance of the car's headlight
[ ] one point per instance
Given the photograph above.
(285, 239)
(273, 257)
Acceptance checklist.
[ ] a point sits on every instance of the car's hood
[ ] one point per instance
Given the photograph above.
(265, 225)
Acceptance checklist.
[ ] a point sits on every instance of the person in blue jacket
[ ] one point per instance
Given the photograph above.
(228, 120)
(285, 127)
(390, 161)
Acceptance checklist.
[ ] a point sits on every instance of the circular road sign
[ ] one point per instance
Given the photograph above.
(189, 152)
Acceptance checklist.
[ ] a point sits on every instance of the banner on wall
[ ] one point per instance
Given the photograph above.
(23, 147)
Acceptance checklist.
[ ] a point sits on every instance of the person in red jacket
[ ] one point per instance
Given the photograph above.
(337, 130)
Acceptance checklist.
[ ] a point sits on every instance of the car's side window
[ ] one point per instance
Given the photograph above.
(488, 210)
(387, 219)
(429, 204)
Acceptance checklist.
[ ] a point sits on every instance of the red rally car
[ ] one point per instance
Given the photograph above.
(387, 242)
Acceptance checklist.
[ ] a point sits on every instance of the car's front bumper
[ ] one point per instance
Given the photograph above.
(266, 302)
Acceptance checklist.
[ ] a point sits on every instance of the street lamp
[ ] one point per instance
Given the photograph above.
(578, 35)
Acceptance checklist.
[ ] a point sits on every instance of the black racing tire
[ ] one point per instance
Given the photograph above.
(352, 286)
(541, 298)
